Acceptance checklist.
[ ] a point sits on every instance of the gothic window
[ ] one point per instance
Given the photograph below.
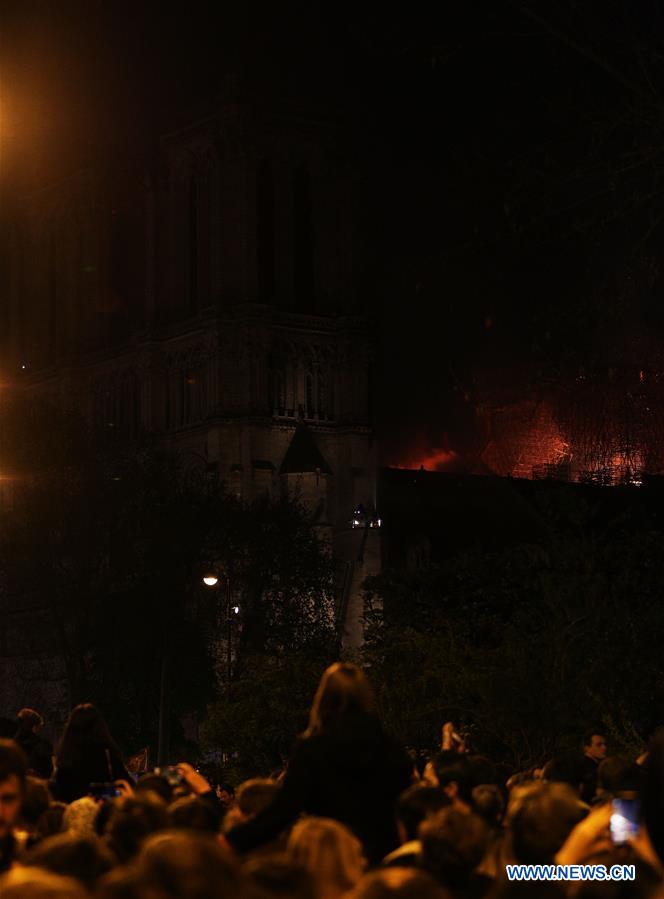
(186, 394)
(127, 406)
(258, 398)
(310, 407)
(119, 252)
(303, 390)
(323, 411)
(116, 406)
(282, 384)
(214, 219)
(265, 232)
(191, 396)
(280, 393)
(303, 252)
(193, 243)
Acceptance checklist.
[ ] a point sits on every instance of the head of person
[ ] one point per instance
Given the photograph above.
(81, 816)
(225, 794)
(567, 769)
(330, 852)
(540, 817)
(594, 745)
(181, 863)
(155, 783)
(251, 797)
(454, 774)
(617, 774)
(519, 779)
(36, 801)
(13, 770)
(398, 883)
(34, 883)
(85, 730)
(454, 843)
(192, 813)
(343, 691)
(254, 795)
(489, 804)
(132, 820)
(29, 722)
(414, 805)
(85, 859)
(279, 877)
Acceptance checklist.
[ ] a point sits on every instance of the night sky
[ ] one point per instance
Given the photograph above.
(510, 161)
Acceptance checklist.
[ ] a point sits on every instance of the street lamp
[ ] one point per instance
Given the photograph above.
(163, 733)
(212, 580)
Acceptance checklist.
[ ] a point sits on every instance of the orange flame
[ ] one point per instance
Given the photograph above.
(436, 460)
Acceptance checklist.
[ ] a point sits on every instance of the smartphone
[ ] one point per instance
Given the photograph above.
(625, 815)
(104, 791)
(172, 775)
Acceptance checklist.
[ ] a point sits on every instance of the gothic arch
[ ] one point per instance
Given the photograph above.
(303, 240)
(283, 379)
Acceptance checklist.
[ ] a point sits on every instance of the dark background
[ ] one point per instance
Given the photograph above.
(509, 176)
(508, 158)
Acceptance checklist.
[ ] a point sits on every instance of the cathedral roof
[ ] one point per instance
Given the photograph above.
(303, 454)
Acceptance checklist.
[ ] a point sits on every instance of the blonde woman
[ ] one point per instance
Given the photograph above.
(331, 854)
(343, 767)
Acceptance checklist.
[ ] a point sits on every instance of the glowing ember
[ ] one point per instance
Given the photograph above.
(525, 441)
(626, 468)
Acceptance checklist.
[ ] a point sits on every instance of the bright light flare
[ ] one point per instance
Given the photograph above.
(210, 580)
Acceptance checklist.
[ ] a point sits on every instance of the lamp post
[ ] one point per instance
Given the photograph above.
(211, 580)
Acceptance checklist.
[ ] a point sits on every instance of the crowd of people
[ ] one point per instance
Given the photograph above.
(352, 815)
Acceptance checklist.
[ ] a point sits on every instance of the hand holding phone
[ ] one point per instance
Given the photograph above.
(172, 774)
(194, 779)
(104, 791)
(451, 739)
(625, 820)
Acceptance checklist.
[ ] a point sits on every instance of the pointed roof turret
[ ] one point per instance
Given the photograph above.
(303, 454)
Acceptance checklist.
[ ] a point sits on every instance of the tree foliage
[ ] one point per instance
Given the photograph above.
(528, 645)
(101, 558)
(289, 639)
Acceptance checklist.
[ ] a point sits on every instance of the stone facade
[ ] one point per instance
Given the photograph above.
(207, 297)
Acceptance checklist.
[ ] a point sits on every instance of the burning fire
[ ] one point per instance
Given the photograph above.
(627, 468)
(436, 460)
